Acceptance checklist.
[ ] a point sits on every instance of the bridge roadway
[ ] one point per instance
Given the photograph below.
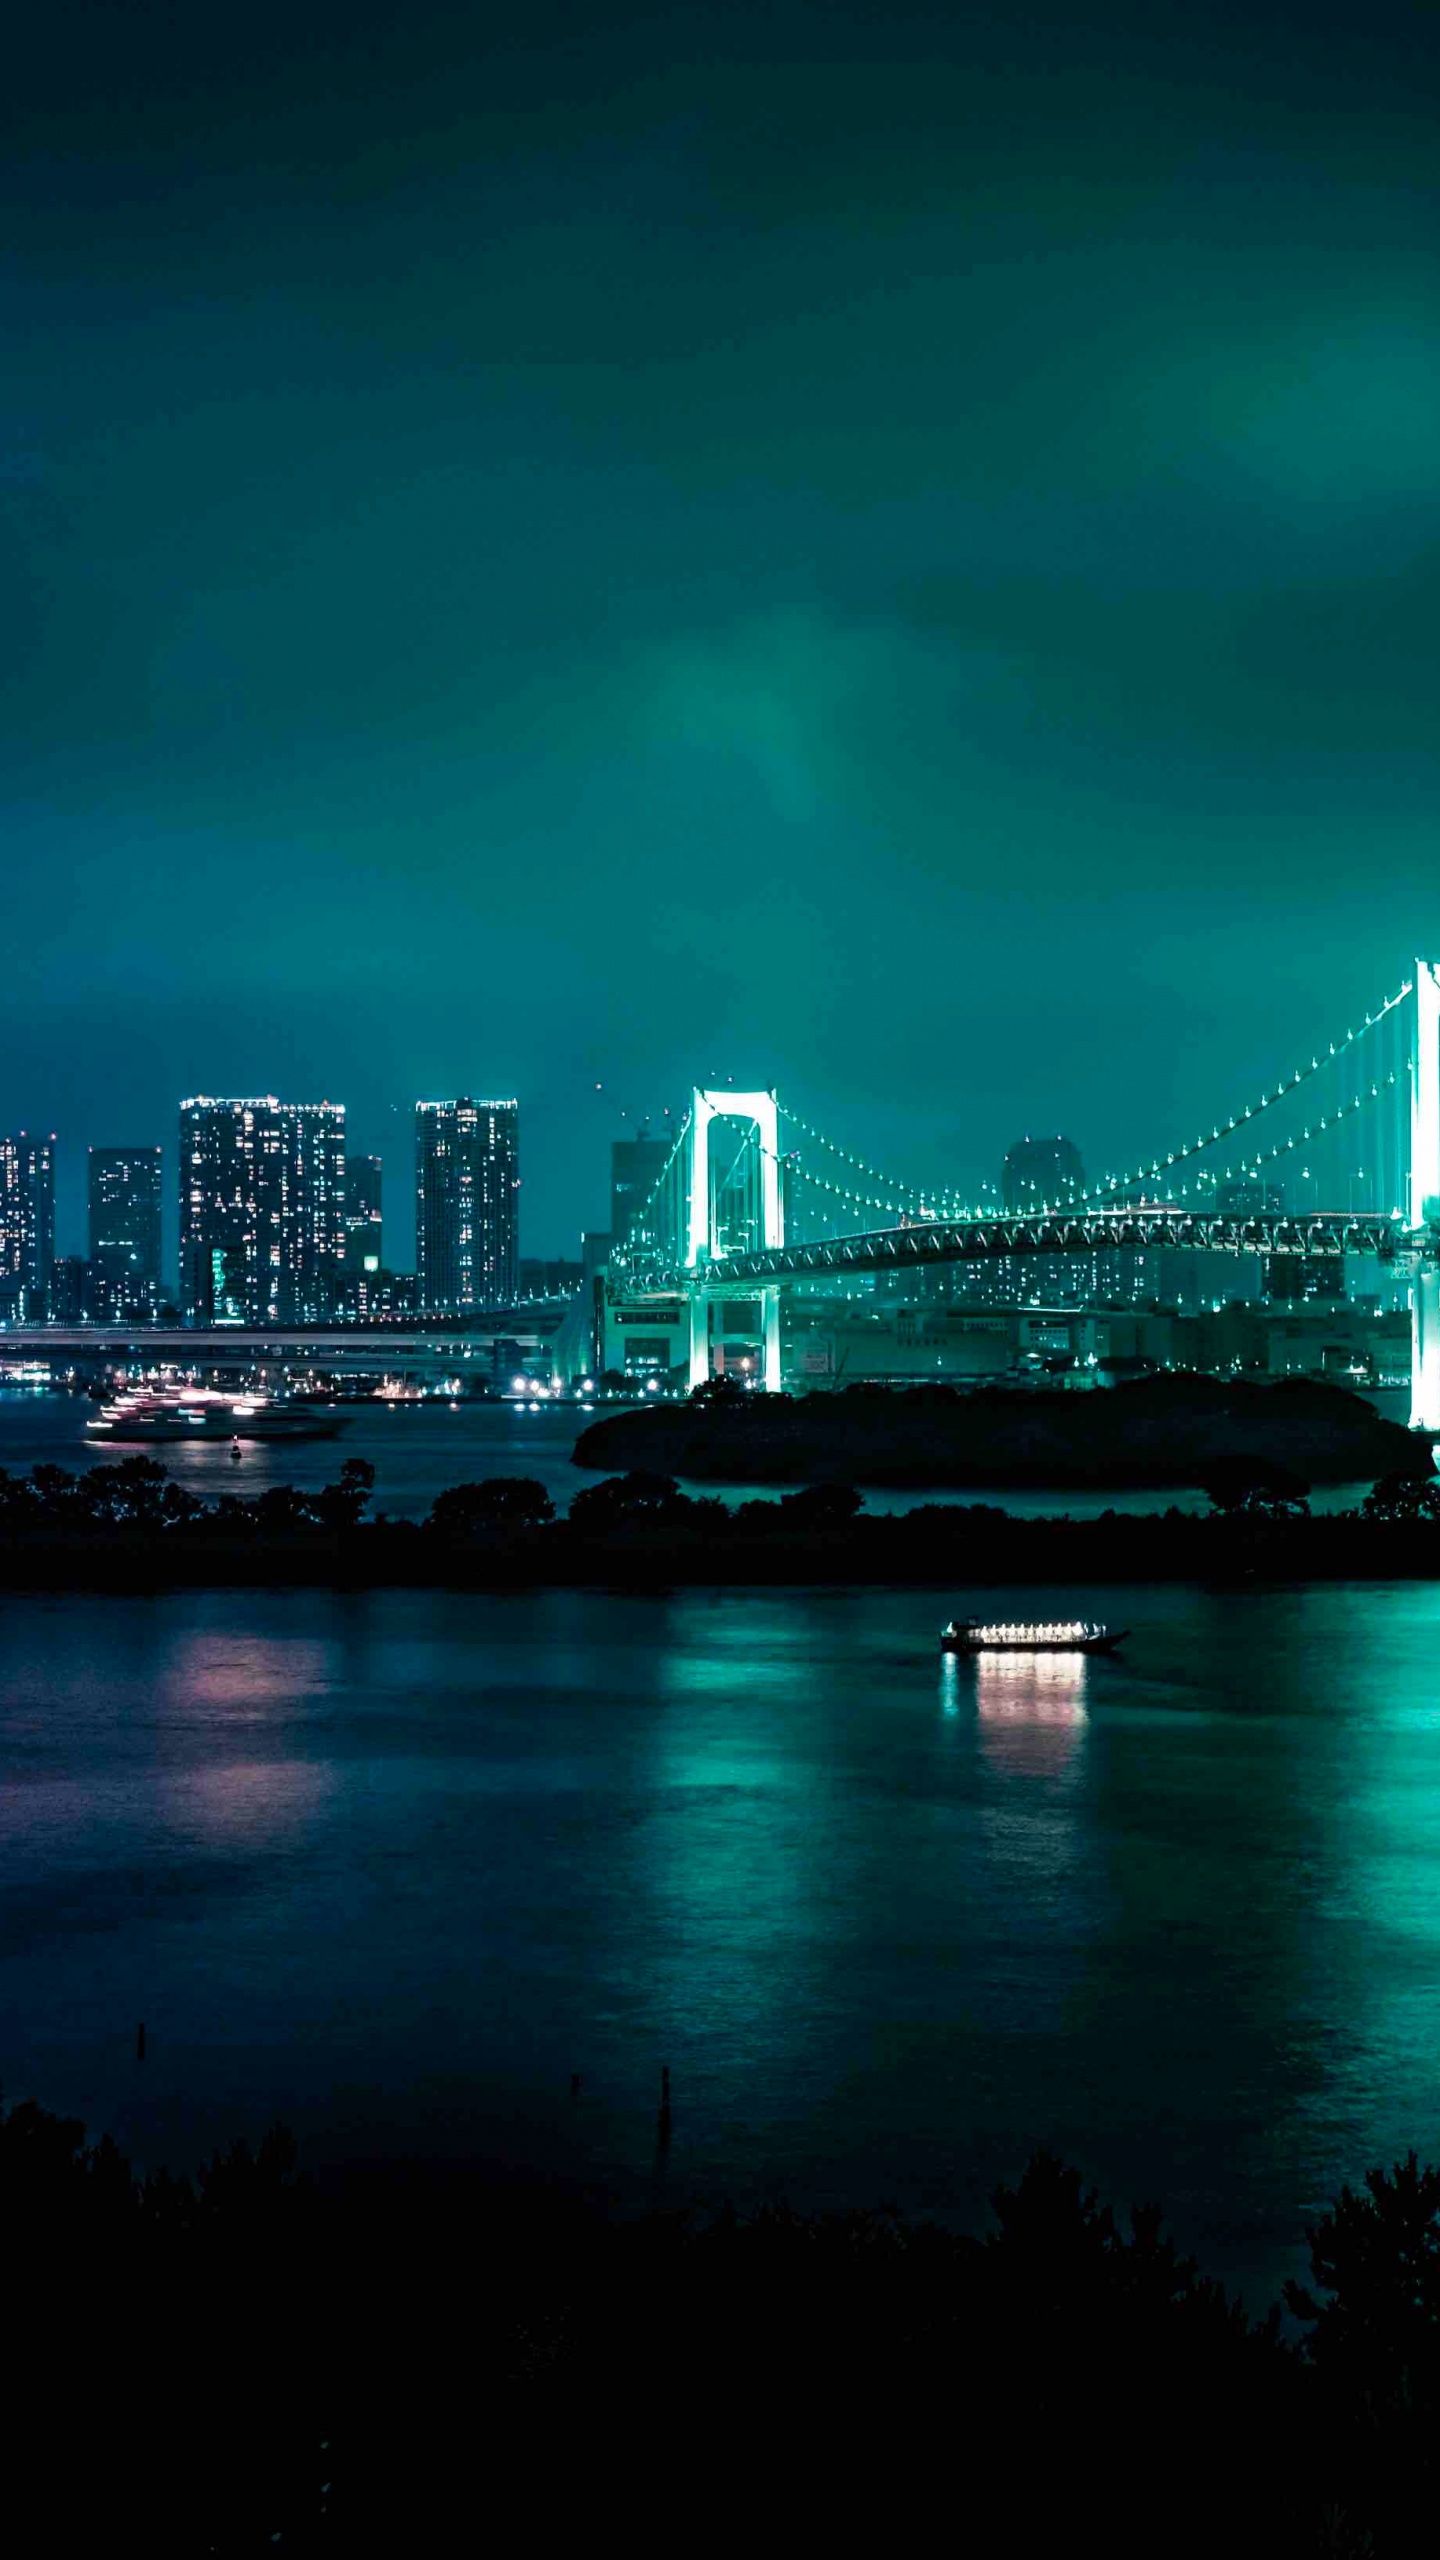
(1324, 1236)
(319, 1346)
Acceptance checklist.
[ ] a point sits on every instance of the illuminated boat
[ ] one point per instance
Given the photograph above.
(201, 1414)
(1041, 1635)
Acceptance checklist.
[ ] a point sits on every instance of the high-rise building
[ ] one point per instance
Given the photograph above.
(364, 1230)
(27, 1226)
(1038, 1173)
(125, 1230)
(1041, 1173)
(467, 1184)
(72, 1298)
(262, 1210)
(312, 1211)
(636, 1165)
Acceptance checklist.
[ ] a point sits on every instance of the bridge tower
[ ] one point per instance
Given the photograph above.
(762, 1111)
(1424, 1203)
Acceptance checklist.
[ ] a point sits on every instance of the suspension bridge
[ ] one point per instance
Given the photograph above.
(1339, 1159)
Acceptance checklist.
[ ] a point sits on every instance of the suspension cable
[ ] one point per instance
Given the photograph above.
(1226, 1129)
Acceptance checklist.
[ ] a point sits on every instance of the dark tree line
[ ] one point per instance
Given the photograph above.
(413, 2362)
(136, 1494)
(505, 1530)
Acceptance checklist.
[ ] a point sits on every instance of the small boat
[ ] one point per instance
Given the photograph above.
(1044, 1635)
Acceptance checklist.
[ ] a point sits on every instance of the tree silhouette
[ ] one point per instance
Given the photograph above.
(821, 1506)
(1256, 1489)
(1376, 2259)
(625, 1501)
(503, 1503)
(721, 1389)
(342, 1506)
(1402, 1498)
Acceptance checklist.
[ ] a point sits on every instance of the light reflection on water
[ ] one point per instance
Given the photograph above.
(245, 1669)
(408, 1860)
(254, 1803)
(1031, 1709)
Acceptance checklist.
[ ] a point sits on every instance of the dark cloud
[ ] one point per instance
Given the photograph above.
(889, 549)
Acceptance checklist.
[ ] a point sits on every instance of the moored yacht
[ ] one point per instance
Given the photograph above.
(200, 1413)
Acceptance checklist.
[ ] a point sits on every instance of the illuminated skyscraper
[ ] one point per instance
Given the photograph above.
(27, 1225)
(312, 1212)
(262, 1210)
(125, 1230)
(467, 1184)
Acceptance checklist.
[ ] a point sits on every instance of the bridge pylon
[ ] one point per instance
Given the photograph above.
(1424, 1201)
(702, 1245)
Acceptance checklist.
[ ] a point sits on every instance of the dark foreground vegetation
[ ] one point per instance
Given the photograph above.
(127, 1527)
(1163, 1430)
(400, 2364)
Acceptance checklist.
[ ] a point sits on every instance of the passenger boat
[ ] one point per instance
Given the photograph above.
(1044, 1635)
(201, 1414)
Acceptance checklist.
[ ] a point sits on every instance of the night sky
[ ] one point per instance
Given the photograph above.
(885, 550)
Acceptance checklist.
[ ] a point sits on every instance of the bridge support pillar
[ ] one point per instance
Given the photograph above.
(1425, 1198)
(770, 1302)
(699, 1338)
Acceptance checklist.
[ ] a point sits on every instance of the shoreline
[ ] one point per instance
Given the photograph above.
(130, 1527)
(888, 1553)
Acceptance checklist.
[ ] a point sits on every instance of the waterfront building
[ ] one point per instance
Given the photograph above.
(72, 1294)
(262, 1210)
(27, 1226)
(467, 1185)
(124, 1185)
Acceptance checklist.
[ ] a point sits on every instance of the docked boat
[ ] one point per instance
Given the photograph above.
(204, 1415)
(1043, 1635)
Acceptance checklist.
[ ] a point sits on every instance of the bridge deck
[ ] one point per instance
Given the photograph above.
(1325, 1236)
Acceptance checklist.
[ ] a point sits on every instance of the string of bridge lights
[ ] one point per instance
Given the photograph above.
(912, 1194)
(1227, 1128)
(1305, 1137)
(1249, 1165)
(950, 1204)
(840, 1191)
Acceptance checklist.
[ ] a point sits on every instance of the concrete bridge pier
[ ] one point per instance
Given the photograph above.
(699, 1338)
(1425, 1347)
(770, 1311)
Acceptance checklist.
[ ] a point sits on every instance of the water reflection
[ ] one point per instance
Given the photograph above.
(206, 1669)
(1031, 1710)
(251, 1801)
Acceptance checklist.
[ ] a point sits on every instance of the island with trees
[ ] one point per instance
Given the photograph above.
(1151, 1433)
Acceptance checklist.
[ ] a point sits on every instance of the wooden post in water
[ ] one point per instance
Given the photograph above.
(663, 2127)
(140, 2042)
